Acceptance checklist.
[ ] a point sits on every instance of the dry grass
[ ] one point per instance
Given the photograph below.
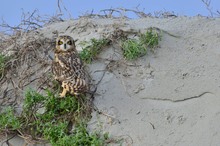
(28, 62)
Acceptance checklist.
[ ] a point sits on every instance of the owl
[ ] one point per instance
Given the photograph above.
(68, 68)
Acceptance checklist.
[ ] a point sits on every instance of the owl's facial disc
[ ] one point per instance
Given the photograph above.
(65, 44)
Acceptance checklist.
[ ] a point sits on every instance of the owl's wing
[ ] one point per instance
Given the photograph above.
(71, 65)
(56, 70)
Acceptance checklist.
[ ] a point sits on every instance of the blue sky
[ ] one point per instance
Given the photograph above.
(11, 10)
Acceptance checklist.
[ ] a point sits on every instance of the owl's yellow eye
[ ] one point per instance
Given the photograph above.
(60, 42)
(69, 43)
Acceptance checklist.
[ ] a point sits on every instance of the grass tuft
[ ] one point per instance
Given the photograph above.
(132, 49)
(91, 49)
(135, 48)
(150, 39)
(8, 121)
(80, 136)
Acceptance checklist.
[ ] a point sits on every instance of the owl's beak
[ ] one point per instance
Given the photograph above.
(64, 46)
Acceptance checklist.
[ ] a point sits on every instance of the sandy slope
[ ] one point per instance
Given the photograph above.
(169, 98)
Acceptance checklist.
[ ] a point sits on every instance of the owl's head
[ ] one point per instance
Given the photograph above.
(65, 43)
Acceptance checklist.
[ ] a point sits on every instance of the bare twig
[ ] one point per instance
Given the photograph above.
(58, 5)
(31, 21)
(5, 25)
(208, 7)
(60, 10)
(139, 13)
(7, 140)
(122, 12)
(116, 13)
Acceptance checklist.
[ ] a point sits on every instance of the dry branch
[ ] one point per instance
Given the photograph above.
(122, 13)
(208, 7)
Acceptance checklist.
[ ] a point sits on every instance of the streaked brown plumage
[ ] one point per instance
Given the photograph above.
(68, 68)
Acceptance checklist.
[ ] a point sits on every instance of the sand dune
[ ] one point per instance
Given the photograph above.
(167, 98)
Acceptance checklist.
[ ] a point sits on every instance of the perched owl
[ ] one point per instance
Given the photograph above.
(68, 68)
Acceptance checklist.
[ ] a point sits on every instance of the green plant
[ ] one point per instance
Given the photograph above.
(150, 39)
(8, 120)
(79, 137)
(55, 122)
(62, 106)
(32, 100)
(92, 48)
(55, 131)
(134, 48)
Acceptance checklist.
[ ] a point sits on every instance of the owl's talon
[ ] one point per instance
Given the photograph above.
(63, 94)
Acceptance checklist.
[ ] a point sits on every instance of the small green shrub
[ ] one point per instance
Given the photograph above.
(81, 137)
(150, 39)
(92, 48)
(8, 120)
(134, 48)
(62, 106)
(32, 99)
(55, 131)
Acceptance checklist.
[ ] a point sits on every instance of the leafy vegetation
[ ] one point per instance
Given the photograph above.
(8, 120)
(134, 48)
(60, 121)
(92, 48)
(150, 39)
(79, 137)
